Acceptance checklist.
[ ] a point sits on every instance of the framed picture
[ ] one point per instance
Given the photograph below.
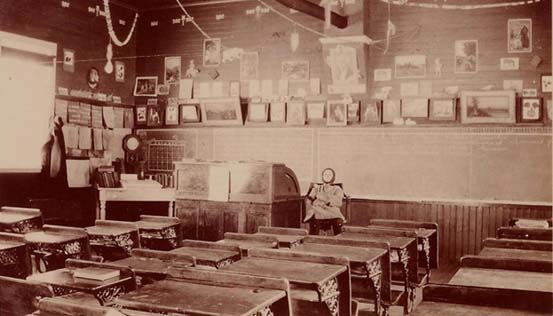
(145, 86)
(383, 74)
(414, 107)
(337, 113)
(141, 115)
(442, 109)
(221, 111)
(189, 113)
(258, 112)
(315, 112)
(532, 92)
(68, 60)
(391, 110)
(519, 34)
(295, 113)
(371, 112)
(278, 112)
(119, 71)
(163, 89)
(509, 63)
(549, 110)
(249, 62)
(531, 110)
(353, 112)
(172, 70)
(172, 115)
(411, 66)
(295, 70)
(546, 83)
(466, 57)
(488, 106)
(155, 115)
(212, 52)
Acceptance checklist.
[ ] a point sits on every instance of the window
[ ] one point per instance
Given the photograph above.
(27, 83)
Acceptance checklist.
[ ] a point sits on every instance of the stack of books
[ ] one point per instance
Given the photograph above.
(106, 177)
(95, 275)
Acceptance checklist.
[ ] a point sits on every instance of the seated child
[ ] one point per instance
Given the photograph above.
(323, 205)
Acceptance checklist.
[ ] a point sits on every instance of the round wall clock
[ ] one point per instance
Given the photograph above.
(93, 78)
(131, 144)
(328, 175)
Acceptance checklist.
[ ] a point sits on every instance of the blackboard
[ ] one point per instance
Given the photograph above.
(491, 164)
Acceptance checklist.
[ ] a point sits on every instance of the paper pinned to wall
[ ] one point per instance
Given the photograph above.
(204, 90)
(425, 88)
(185, 88)
(267, 88)
(109, 116)
(98, 139)
(85, 138)
(254, 90)
(60, 109)
(217, 89)
(283, 87)
(96, 113)
(409, 88)
(78, 173)
(119, 117)
(70, 136)
(115, 145)
(128, 121)
(107, 134)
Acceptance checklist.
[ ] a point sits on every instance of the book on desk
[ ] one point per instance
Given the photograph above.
(95, 275)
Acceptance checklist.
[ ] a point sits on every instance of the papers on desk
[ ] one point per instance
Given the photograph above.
(140, 184)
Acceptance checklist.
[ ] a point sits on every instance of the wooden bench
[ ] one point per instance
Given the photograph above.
(54, 244)
(20, 220)
(545, 234)
(454, 300)
(113, 240)
(531, 222)
(427, 239)
(528, 250)
(287, 237)
(246, 242)
(15, 261)
(160, 232)
(209, 253)
(188, 291)
(20, 297)
(62, 281)
(320, 285)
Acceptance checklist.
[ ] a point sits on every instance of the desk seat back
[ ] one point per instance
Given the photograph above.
(21, 267)
(403, 223)
(472, 261)
(519, 244)
(282, 231)
(208, 245)
(20, 297)
(251, 237)
(63, 307)
(545, 234)
(164, 256)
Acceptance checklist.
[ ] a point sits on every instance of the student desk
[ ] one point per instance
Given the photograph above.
(246, 242)
(503, 279)
(113, 239)
(14, 259)
(284, 241)
(517, 253)
(330, 282)
(20, 220)
(147, 194)
(216, 258)
(159, 232)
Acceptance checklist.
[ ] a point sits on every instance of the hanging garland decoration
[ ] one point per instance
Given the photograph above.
(191, 20)
(111, 32)
(460, 6)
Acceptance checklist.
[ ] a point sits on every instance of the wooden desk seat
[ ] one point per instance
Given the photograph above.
(113, 240)
(62, 282)
(65, 306)
(545, 234)
(427, 238)
(320, 285)
(525, 250)
(209, 253)
(153, 264)
(160, 232)
(246, 242)
(54, 244)
(504, 274)
(15, 261)
(454, 300)
(531, 222)
(287, 237)
(189, 291)
(19, 220)
(20, 297)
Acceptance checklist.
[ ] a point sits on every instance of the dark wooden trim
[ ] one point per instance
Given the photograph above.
(316, 11)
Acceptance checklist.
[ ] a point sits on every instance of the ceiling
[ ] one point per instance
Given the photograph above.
(146, 5)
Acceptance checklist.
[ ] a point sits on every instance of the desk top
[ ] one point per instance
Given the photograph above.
(421, 232)
(154, 225)
(7, 217)
(248, 244)
(45, 237)
(439, 309)
(504, 279)
(7, 244)
(287, 239)
(142, 265)
(206, 254)
(181, 296)
(64, 278)
(516, 253)
(354, 254)
(108, 230)
(394, 241)
(295, 271)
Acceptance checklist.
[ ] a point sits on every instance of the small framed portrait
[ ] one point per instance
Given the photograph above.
(416, 107)
(494, 106)
(336, 113)
(172, 70)
(155, 115)
(145, 86)
(295, 70)
(549, 110)
(221, 111)
(391, 110)
(141, 115)
(546, 83)
(315, 112)
(410, 66)
(212, 52)
(295, 113)
(93, 78)
(163, 89)
(371, 112)
(189, 113)
(172, 115)
(119, 71)
(353, 112)
(466, 57)
(531, 110)
(442, 109)
(258, 112)
(249, 66)
(68, 60)
(278, 112)
(519, 34)
(509, 63)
